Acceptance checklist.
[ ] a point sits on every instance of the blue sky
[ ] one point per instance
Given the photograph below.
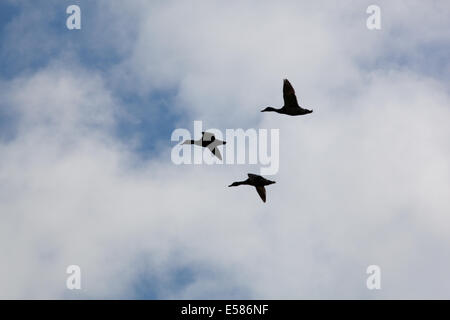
(86, 118)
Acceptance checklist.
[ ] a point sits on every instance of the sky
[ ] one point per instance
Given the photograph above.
(86, 177)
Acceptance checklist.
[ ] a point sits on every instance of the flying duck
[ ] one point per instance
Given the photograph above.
(208, 140)
(291, 106)
(258, 182)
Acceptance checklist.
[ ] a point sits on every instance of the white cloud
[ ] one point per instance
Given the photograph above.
(363, 180)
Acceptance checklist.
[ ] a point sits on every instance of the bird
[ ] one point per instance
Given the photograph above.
(208, 140)
(258, 182)
(291, 106)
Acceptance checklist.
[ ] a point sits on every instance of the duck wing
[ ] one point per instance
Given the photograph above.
(262, 192)
(290, 99)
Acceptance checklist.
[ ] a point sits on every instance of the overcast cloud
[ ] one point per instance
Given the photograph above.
(85, 170)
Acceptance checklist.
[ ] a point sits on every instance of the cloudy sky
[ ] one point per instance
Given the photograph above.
(86, 177)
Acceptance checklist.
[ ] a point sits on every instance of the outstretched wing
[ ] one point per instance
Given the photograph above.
(290, 100)
(213, 148)
(262, 192)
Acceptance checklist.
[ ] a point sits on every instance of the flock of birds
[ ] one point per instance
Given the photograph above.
(290, 108)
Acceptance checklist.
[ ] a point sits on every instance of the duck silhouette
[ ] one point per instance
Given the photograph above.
(208, 140)
(258, 182)
(291, 106)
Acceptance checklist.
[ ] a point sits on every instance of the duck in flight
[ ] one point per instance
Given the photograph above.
(208, 140)
(291, 106)
(258, 182)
